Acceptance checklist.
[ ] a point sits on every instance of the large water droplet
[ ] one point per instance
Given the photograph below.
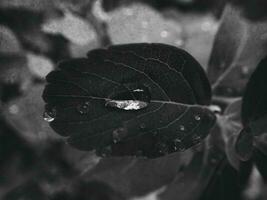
(127, 104)
(84, 108)
(49, 115)
(118, 134)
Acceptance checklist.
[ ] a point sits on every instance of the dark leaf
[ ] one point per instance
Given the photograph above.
(244, 145)
(260, 160)
(254, 108)
(261, 143)
(131, 99)
(190, 183)
(252, 9)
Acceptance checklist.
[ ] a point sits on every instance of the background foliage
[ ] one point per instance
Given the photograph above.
(227, 38)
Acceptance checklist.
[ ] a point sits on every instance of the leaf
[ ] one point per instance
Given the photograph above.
(40, 66)
(175, 82)
(230, 126)
(254, 107)
(135, 177)
(74, 28)
(261, 143)
(23, 114)
(238, 46)
(9, 42)
(254, 10)
(191, 183)
(244, 145)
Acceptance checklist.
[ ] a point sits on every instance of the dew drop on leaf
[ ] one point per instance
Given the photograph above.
(118, 134)
(182, 128)
(181, 147)
(196, 138)
(142, 126)
(127, 104)
(84, 108)
(197, 117)
(106, 151)
(162, 148)
(49, 115)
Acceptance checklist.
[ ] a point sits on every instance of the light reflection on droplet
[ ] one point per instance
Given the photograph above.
(49, 115)
(181, 128)
(84, 108)
(197, 117)
(127, 104)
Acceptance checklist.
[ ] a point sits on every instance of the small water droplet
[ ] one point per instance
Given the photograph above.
(196, 138)
(177, 141)
(49, 115)
(181, 148)
(84, 108)
(155, 133)
(162, 148)
(118, 134)
(182, 128)
(197, 117)
(106, 151)
(142, 126)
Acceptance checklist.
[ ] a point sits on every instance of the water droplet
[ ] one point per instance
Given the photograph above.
(155, 133)
(118, 134)
(106, 151)
(196, 138)
(177, 141)
(181, 148)
(49, 115)
(84, 108)
(127, 104)
(182, 128)
(162, 148)
(142, 126)
(215, 109)
(197, 117)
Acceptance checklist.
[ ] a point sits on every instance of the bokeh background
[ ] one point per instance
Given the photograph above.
(36, 34)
